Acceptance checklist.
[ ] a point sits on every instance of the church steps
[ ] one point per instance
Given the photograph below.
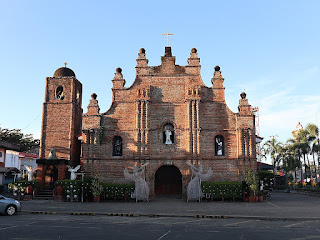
(44, 195)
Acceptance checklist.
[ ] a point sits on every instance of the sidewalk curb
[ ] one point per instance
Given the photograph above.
(266, 218)
(41, 212)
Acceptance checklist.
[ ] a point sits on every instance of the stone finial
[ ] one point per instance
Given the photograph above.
(142, 62)
(217, 85)
(217, 79)
(118, 81)
(244, 106)
(142, 50)
(194, 61)
(118, 74)
(243, 95)
(93, 96)
(93, 107)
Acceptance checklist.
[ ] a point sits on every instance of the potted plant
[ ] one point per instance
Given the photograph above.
(29, 189)
(59, 188)
(96, 188)
(260, 196)
(252, 179)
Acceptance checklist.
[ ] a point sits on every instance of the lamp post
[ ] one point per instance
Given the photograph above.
(82, 173)
(318, 155)
(14, 190)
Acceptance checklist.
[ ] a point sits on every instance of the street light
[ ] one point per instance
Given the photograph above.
(318, 154)
(82, 173)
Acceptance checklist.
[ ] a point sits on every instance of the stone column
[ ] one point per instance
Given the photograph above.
(142, 129)
(193, 129)
(147, 130)
(198, 129)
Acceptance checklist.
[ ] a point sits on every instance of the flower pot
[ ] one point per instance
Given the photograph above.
(252, 199)
(260, 198)
(59, 190)
(29, 189)
(96, 199)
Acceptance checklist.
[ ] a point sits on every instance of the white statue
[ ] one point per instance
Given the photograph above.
(73, 172)
(261, 185)
(219, 144)
(168, 136)
(194, 187)
(30, 171)
(141, 191)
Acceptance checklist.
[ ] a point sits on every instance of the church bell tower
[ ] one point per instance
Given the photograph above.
(61, 122)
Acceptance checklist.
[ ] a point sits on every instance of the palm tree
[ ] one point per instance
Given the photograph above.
(301, 147)
(273, 148)
(313, 139)
(290, 159)
(305, 143)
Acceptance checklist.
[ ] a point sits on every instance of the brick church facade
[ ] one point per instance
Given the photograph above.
(165, 118)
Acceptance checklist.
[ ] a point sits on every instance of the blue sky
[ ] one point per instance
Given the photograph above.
(269, 48)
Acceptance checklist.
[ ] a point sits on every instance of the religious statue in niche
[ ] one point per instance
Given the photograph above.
(117, 146)
(194, 187)
(219, 149)
(59, 93)
(141, 191)
(168, 134)
(78, 97)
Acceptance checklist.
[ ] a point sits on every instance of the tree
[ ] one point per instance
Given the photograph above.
(15, 136)
(290, 160)
(305, 143)
(313, 140)
(273, 148)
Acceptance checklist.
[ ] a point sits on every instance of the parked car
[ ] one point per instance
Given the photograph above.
(9, 206)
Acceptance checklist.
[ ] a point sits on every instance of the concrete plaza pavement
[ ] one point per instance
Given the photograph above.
(282, 206)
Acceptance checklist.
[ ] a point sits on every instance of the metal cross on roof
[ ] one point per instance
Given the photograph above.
(65, 64)
(167, 36)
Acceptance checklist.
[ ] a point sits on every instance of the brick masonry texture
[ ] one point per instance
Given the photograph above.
(168, 94)
(160, 95)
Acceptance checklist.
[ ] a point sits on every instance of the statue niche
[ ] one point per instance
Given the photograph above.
(219, 145)
(117, 146)
(59, 93)
(168, 134)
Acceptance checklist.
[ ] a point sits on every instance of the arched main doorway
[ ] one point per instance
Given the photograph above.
(168, 182)
(51, 176)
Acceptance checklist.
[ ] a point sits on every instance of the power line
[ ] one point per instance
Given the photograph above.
(31, 122)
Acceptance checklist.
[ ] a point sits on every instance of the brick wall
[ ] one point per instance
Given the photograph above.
(168, 94)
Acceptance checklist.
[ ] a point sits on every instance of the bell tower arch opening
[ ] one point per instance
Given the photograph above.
(168, 182)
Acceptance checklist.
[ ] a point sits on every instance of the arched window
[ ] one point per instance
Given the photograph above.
(168, 134)
(117, 146)
(59, 93)
(219, 145)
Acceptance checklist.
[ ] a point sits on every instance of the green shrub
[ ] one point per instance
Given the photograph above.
(21, 186)
(252, 180)
(87, 193)
(96, 186)
(227, 189)
(70, 187)
(112, 190)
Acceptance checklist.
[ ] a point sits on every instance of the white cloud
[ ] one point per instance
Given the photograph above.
(284, 102)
